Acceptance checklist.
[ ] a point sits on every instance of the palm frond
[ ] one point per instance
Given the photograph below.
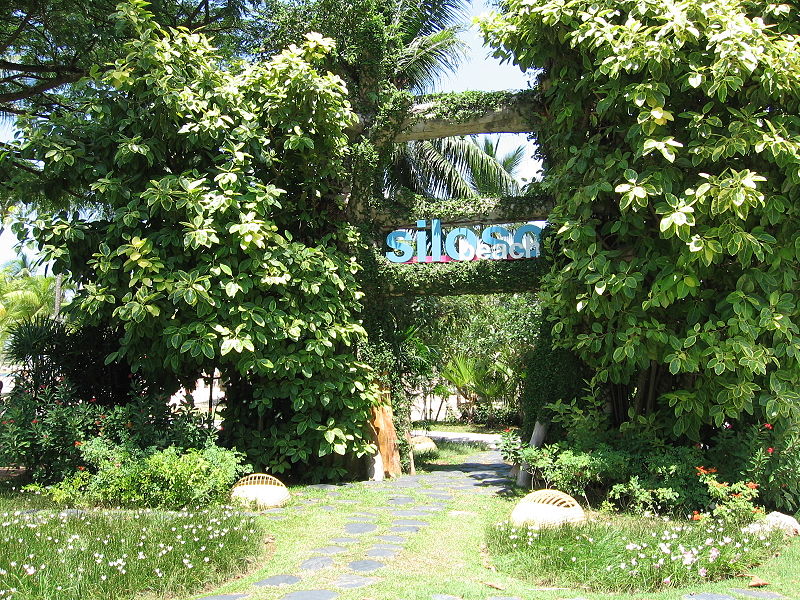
(437, 171)
(422, 63)
(416, 18)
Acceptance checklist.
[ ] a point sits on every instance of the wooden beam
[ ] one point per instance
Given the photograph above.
(424, 123)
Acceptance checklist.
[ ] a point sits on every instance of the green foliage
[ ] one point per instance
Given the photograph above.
(22, 296)
(124, 475)
(672, 146)
(660, 480)
(221, 246)
(47, 352)
(460, 107)
(730, 502)
(511, 447)
(765, 455)
(629, 555)
(45, 430)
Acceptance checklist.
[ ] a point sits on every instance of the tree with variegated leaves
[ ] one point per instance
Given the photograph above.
(671, 138)
(219, 243)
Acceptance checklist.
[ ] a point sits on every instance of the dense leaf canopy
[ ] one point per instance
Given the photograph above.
(221, 244)
(672, 140)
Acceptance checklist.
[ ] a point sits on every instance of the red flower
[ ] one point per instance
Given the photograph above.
(770, 450)
(767, 426)
(81, 468)
(5, 422)
(78, 444)
(35, 421)
(92, 399)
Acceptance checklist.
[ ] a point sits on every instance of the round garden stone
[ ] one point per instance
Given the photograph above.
(323, 486)
(278, 580)
(311, 595)
(316, 563)
(365, 566)
(708, 596)
(394, 547)
(763, 594)
(225, 597)
(352, 581)
(329, 550)
(358, 528)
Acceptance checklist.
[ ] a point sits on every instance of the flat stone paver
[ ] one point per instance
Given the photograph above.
(366, 566)
(329, 550)
(351, 581)
(316, 563)
(393, 539)
(278, 580)
(412, 522)
(381, 553)
(708, 596)
(311, 595)
(225, 597)
(401, 500)
(404, 529)
(763, 594)
(445, 597)
(394, 547)
(360, 528)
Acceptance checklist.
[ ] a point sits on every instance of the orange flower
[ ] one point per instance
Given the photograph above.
(703, 471)
(736, 495)
(752, 486)
(78, 444)
(696, 516)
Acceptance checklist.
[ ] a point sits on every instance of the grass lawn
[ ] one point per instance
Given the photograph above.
(449, 556)
(447, 453)
(457, 427)
(47, 554)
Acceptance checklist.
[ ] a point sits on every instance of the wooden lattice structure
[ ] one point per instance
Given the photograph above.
(265, 491)
(547, 508)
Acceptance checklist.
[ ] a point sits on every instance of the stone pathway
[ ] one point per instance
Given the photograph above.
(482, 473)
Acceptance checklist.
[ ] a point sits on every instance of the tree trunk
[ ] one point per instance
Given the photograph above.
(537, 441)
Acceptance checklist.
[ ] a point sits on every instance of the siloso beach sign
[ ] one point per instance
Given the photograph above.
(430, 244)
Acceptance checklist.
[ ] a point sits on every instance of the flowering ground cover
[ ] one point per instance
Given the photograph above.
(631, 554)
(104, 555)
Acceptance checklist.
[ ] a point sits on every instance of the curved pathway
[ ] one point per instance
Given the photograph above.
(483, 473)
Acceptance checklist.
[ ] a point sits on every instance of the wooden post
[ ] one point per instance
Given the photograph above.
(386, 439)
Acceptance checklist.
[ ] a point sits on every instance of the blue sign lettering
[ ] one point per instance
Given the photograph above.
(496, 242)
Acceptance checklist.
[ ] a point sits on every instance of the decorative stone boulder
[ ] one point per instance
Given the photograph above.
(775, 520)
(547, 508)
(261, 490)
(423, 445)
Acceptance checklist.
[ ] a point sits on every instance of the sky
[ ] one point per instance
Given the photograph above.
(478, 72)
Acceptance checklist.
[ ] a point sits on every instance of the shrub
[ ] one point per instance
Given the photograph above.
(661, 479)
(45, 430)
(170, 478)
(511, 447)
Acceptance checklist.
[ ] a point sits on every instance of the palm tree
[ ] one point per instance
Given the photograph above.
(23, 296)
(455, 167)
